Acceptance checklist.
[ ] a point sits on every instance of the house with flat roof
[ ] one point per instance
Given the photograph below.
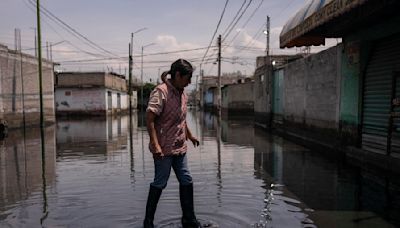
(91, 93)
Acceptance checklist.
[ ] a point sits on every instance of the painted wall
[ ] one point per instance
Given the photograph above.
(19, 89)
(88, 100)
(357, 49)
(312, 90)
(80, 100)
(262, 95)
(123, 100)
(238, 97)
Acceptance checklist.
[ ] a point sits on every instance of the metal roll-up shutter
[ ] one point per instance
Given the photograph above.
(395, 134)
(377, 94)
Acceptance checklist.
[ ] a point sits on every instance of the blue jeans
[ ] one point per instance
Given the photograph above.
(162, 169)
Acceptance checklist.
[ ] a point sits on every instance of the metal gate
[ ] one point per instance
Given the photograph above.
(380, 125)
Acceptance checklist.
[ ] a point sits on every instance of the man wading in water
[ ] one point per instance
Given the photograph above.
(168, 131)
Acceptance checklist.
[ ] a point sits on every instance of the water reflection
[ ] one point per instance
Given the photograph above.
(333, 194)
(96, 173)
(91, 137)
(27, 172)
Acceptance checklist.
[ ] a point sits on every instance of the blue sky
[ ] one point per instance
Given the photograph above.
(171, 24)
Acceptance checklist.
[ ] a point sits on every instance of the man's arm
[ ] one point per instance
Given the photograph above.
(150, 117)
(189, 135)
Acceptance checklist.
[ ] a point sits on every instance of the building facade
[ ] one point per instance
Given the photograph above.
(238, 99)
(349, 94)
(19, 89)
(91, 93)
(209, 90)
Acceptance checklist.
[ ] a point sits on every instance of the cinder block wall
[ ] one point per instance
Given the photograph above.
(19, 89)
(312, 90)
(262, 96)
(239, 97)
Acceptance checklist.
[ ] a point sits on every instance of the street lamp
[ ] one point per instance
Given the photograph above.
(141, 76)
(130, 69)
(267, 33)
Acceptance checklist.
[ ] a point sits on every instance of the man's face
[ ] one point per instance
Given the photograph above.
(183, 80)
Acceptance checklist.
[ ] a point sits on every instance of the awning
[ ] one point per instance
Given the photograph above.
(298, 31)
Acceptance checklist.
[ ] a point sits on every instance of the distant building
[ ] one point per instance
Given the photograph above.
(19, 89)
(238, 99)
(209, 89)
(92, 93)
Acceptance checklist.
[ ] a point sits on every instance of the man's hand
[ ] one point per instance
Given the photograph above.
(158, 154)
(195, 141)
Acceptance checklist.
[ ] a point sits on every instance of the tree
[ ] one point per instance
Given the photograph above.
(147, 88)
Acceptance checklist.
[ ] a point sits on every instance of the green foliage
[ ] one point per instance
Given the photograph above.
(147, 88)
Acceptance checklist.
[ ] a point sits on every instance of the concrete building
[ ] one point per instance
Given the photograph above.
(209, 90)
(347, 97)
(19, 89)
(92, 93)
(238, 99)
(266, 74)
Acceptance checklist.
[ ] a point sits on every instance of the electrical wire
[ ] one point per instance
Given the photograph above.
(69, 28)
(234, 18)
(216, 29)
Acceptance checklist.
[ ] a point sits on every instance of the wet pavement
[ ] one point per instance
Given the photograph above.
(96, 173)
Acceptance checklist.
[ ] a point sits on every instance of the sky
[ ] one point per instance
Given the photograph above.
(94, 35)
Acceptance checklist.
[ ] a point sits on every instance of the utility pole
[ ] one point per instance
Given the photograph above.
(22, 78)
(141, 83)
(47, 51)
(201, 87)
(268, 34)
(51, 52)
(39, 49)
(219, 75)
(130, 79)
(130, 75)
(141, 77)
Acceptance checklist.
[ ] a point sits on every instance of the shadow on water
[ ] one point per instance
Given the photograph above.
(96, 173)
(335, 194)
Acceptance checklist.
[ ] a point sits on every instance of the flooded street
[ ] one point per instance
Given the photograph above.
(95, 173)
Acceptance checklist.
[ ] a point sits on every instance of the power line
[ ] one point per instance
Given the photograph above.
(248, 20)
(149, 54)
(237, 13)
(216, 29)
(237, 20)
(54, 30)
(69, 28)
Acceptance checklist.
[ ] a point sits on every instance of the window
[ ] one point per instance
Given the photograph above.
(67, 93)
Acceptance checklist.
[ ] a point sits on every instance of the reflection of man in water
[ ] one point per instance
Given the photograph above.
(168, 131)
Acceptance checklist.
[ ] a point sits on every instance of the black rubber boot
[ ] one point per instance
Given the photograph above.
(186, 195)
(151, 206)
